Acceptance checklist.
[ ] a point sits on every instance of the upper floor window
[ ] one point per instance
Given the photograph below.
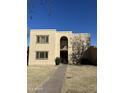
(42, 39)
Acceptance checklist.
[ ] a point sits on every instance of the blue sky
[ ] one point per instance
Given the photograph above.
(67, 15)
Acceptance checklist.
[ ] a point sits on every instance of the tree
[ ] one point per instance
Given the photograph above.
(79, 45)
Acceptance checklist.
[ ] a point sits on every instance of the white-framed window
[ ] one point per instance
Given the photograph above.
(43, 39)
(41, 55)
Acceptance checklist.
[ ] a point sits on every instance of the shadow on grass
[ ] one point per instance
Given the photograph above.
(75, 91)
(85, 62)
(88, 62)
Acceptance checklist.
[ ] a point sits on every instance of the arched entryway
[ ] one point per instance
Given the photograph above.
(64, 49)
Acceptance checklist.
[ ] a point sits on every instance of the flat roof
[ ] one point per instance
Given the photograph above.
(58, 31)
(44, 29)
(65, 31)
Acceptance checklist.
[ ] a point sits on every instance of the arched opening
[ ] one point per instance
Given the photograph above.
(64, 49)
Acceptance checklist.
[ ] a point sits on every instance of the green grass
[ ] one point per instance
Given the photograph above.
(80, 79)
(36, 76)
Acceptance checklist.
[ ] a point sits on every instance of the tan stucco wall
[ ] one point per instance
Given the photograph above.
(50, 47)
(53, 47)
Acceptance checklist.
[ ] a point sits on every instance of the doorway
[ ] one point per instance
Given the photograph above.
(64, 57)
(64, 49)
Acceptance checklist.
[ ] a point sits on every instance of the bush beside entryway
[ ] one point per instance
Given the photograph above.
(57, 60)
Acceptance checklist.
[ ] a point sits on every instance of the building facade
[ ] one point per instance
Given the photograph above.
(47, 44)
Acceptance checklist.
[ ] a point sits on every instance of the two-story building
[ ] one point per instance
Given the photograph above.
(47, 44)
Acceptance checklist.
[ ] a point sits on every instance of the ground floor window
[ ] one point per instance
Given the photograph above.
(41, 55)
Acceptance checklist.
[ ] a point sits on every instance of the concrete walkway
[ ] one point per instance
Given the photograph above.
(54, 84)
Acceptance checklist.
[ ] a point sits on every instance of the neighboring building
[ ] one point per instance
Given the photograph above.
(27, 55)
(90, 56)
(47, 44)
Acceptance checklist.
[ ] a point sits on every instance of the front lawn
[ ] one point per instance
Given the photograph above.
(80, 79)
(36, 75)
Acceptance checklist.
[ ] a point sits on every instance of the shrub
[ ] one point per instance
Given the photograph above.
(57, 60)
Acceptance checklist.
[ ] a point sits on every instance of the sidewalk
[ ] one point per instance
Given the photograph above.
(54, 84)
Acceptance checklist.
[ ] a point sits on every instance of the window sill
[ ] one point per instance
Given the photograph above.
(42, 59)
